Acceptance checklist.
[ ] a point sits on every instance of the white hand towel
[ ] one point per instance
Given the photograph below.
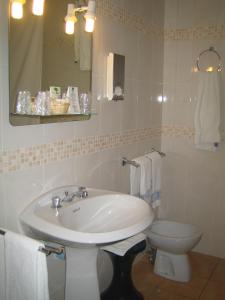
(135, 176)
(207, 113)
(156, 170)
(26, 269)
(141, 179)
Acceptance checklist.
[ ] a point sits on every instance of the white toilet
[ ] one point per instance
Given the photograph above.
(173, 241)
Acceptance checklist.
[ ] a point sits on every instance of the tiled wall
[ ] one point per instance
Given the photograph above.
(36, 158)
(193, 180)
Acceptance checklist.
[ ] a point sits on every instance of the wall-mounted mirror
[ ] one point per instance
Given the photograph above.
(42, 55)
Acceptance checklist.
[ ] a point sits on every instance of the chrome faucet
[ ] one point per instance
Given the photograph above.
(81, 193)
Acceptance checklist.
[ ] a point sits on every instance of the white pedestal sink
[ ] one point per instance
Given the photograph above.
(82, 226)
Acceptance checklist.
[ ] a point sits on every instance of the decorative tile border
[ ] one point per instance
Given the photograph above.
(24, 158)
(197, 33)
(179, 131)
(119, 14)
(175, 131)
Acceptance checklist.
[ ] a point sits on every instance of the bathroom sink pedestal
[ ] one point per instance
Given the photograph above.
(81, 273)
(122, 287)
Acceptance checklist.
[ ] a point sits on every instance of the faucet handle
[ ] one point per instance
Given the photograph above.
(81, 188)
(83, 192)
(56, 202)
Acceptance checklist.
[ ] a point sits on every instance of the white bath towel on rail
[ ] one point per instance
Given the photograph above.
(207, 113)
(26, 269)
(156, 174)
(140, 179)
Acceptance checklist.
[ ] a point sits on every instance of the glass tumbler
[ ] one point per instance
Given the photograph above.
(42, 103)
(85, 103)
(23, 103)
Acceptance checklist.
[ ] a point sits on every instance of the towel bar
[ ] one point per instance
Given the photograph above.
(210, 49)
(126, 161)
(46, 250)
(49, 250)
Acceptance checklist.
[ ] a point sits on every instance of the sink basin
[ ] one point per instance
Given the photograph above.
(102, 217)
(82, 226)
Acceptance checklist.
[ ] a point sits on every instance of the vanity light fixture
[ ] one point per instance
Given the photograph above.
(70, 19)
(38, 7)
(89, 16)
(17, 9)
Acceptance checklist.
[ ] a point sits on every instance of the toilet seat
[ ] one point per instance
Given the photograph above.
(171, 229)
(174, 237)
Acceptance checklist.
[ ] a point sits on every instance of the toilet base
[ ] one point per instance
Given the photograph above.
(172, 266)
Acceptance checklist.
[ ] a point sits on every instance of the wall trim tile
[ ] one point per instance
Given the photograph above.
(196, 33)
(23, 158)
(107, 8)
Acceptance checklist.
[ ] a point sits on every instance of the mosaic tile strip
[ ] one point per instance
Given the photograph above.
(119, 14)
(197, 33)
(24, 158)
(188, 132)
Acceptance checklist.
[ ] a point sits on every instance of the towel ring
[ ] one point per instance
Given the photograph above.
(211, 49)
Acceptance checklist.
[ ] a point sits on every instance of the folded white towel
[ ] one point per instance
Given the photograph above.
(135, 175)
(156, 170)
(26, 269)
(207, 113)
(120, 248)
(140, 179)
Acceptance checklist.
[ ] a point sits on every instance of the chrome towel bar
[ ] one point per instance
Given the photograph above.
(46, 250)
(51, 250)
(133, 163)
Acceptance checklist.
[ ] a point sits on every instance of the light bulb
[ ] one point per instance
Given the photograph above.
(38, 7)
(70, 24)
(90, 16)
(17, 9)
(90, 24)
(70, 19)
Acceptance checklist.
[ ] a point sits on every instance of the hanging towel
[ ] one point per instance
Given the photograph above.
(26, 269)
(156, 166)
(135, 176)
(207, 113)
(140, 179)
(82, 45)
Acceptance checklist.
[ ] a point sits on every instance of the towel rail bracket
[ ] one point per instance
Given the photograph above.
(133, 163)
(51, 250)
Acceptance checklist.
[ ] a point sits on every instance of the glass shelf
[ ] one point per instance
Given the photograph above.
(21, 119)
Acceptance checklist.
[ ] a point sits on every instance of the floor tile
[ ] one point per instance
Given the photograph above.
(192, 289)
(213, 291)
(219, 272)
(202, 265)
(160, 294)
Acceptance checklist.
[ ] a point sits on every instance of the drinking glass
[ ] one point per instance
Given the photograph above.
(23, 103)
(85, 103)
(42, 103)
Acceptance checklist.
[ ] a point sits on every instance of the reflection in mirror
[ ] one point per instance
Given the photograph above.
(42, 56)
(115, 76)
